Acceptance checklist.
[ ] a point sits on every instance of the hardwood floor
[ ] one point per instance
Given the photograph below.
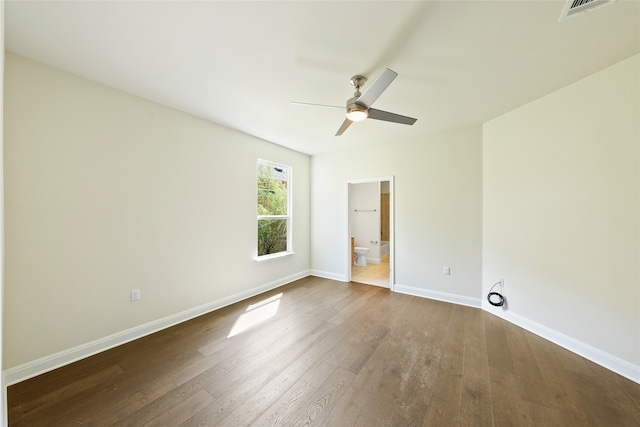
(320, 352)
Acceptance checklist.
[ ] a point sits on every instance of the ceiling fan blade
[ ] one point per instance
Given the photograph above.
(344, 127)
(306, 104)
(376, 89)
(390, 117)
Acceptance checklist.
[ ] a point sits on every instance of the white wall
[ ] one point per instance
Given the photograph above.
(105, 193)
(438, 211)
(562, 217)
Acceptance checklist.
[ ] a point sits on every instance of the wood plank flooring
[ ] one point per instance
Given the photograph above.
(320, 352)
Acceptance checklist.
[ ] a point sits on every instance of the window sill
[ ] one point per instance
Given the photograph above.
(265, 258)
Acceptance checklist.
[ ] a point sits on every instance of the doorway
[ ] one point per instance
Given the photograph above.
(370, 226)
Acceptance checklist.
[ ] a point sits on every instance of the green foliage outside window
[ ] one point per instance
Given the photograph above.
(272, 209)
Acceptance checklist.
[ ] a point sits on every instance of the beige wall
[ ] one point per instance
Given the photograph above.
(438, 210)
(105, 193)
(561, 211)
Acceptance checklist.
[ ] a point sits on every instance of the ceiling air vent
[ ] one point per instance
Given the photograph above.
(576, 7)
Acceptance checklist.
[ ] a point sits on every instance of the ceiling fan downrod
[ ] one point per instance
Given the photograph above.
(357, 82)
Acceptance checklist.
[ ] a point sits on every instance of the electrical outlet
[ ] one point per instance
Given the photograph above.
(447, 271)
(135, 294)
(501, 281)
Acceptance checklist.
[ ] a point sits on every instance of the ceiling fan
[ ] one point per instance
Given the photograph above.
(359, 107)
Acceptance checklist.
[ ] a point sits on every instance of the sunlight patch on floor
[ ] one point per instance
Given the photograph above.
(256, 314)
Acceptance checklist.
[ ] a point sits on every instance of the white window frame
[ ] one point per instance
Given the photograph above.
(288, 216)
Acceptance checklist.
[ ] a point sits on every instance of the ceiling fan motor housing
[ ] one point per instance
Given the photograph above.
(355, 111)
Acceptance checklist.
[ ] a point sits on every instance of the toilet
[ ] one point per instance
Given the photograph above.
(361, 255)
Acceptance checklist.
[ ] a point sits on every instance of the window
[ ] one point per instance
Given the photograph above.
(274, 209)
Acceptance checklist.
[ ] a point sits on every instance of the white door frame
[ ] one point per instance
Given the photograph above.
(392, 244)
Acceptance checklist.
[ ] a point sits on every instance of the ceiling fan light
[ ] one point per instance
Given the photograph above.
(357, 115)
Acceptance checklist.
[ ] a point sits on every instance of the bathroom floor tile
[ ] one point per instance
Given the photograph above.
(372, 274)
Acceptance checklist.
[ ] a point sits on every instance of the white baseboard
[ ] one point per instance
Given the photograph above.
(65, 357)
(600, 357)
(329, 275)
(440, 296)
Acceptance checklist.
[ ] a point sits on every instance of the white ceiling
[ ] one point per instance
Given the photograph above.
(241, 63)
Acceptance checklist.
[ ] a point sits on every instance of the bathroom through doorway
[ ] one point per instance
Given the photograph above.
(370, 231)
